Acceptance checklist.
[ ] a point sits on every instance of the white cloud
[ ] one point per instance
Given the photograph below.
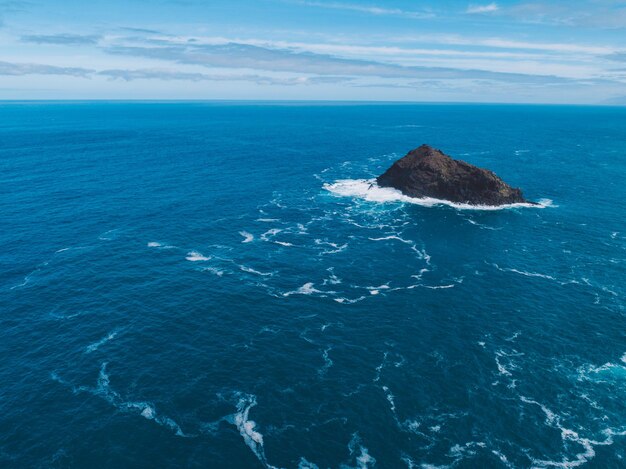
(479, 9)
(20, 69)
(501, 48)
(503, 43)
(169, 75)
(62, 39)
(601, 14)
(237, 55)
(372, 10)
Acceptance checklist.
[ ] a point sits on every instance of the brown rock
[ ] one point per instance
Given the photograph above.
(427, 172)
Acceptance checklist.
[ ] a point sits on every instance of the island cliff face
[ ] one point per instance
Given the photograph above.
(427, 172)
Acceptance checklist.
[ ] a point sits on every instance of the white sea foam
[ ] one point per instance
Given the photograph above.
(195, 256)
(413, 426)
(303, 336)
(349, 300)
(247, 428)
(270, 233)
(255, 272)
(144, 409)
(37, 269)
(248, 237)
(108, 235)
(608, 290)
(71, 248)
(410, 464)
(157, 245)
(480, 225)
(336, 247)
(513, 337)
(376, 290)
(214, 271)
(395, 237)
(501, 368)
(420, 274)
(24, 282)
(569, 435)
(332, 279)
(304, 464)
(607, 372)
(67, 316)
(400, 362)
(380, 367)
(468, 450)
(523, 272)
(505, 365)
(391, 400)
(363, 459)
(276, 203)
(307, 316)
(327, 362)
(531, 274)
(502, 458)
(306, 289)
(93, 347)
(283, 243)
(368, 189)
(148, 412)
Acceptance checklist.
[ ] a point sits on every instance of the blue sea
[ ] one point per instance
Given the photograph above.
(216, 285)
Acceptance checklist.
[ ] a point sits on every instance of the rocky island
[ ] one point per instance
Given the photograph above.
(428, 172)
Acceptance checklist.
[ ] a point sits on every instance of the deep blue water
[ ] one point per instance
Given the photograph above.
(179, 288)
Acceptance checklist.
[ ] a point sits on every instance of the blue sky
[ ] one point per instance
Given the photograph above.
(532, 51)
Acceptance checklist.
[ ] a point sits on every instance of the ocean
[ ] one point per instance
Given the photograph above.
(205, 284)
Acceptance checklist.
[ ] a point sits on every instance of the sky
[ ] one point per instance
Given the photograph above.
(528, 51)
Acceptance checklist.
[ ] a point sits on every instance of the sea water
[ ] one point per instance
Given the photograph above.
(220, 285)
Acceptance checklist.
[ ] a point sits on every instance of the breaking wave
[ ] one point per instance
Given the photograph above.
(248, 237)
(367, 189)
(195, 256)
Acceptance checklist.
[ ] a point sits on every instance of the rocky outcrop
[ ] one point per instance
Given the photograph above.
(427, 172)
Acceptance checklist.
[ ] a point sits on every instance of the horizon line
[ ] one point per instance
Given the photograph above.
(307, 101)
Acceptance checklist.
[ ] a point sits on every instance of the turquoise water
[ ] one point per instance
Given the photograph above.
(210, 285)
